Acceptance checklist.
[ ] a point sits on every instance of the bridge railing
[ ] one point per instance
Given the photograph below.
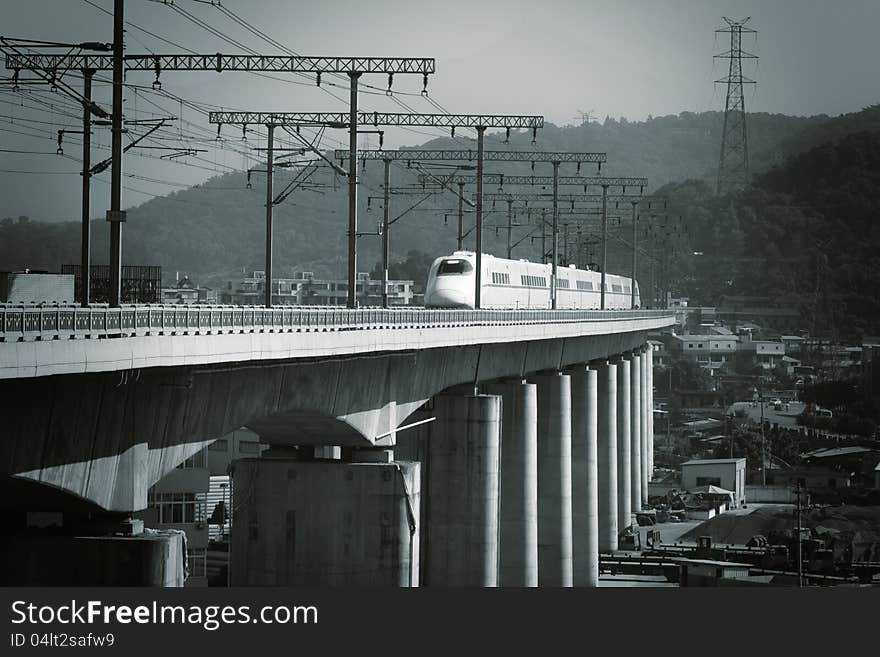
(52, 322)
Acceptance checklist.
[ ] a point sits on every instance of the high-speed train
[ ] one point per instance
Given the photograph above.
(521, 284)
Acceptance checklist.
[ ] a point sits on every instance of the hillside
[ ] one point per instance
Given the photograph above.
(805, 232)
(217, 229)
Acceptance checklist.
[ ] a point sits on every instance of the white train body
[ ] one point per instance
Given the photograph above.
(521, 284)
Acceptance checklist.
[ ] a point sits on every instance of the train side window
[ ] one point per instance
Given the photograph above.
(453, 267)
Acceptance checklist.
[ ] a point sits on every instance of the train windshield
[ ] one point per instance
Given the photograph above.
(452, 267)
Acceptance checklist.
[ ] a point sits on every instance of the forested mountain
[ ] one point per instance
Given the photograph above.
(216, 230)
(805, 233)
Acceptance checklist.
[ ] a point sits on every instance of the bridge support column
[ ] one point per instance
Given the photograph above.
(649, 363)
(643, 425)
(624, 446)
(607, 454)
(584, 473)
(636, 431)
(554, 479)
(325, 523)
(518, 530)
(462, 507)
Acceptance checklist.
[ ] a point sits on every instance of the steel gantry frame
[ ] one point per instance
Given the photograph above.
(415, 154)
(354, 67)
(219, 62)
(480, 122)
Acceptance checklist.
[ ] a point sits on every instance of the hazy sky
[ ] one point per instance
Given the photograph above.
(629, 58)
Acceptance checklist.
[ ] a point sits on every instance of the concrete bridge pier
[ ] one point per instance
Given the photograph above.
(584, 473)
(643, 424)
(518, 522)
(462, 507)
(624, 448)
(554, 479)
(326, 522)
(636, 431)
(607, 435)
(649, 363)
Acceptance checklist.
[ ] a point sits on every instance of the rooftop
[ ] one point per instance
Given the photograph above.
(837, 451)
(713, 461)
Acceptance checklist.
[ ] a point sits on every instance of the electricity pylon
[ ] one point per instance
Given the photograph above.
(733, 165)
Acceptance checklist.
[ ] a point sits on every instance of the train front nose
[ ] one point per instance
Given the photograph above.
(450, 297)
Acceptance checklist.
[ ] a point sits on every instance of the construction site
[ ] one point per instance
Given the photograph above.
(755, 545)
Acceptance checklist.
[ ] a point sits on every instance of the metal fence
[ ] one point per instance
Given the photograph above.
(19, 322)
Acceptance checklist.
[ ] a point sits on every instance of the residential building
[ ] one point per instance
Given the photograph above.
(179, 501)
(709, 350)
(222, 453)
(810, 478)
(659, 355)
(729, 474)
(185, 291)
(241, 443)
(767, 353)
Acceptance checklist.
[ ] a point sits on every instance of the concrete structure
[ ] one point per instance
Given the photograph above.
(305, 289)
(518, 522)
(635, 479)
(29, 287)
(729, 474)
(607, 454)
(152, 559)
(324, 523)
(646, 442)
(554, 479)
(144, 388)
(624, 440)
(585, 476)
(462, 508)
(179, 501)
(649, 408)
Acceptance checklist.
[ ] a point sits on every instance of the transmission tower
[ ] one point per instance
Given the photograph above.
(733, 166)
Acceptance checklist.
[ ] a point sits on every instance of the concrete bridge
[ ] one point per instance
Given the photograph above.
(100, 403)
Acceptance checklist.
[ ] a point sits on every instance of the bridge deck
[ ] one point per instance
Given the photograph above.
(46, 340)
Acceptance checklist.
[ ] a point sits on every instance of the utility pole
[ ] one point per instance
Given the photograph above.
(385, 228)
(604, 242)
(509, 227)
(115, 215)
(460, 214)
(543, 237)
(352, 189)
(86, 248)
(478, 279)
(635, 237)
(800, 559)
(555, 271)
(269, 205)
(733, 164)
(763, 449)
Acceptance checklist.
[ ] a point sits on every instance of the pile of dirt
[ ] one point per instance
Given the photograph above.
(855, 525)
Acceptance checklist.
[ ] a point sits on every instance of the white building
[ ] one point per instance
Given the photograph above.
(729, 474)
